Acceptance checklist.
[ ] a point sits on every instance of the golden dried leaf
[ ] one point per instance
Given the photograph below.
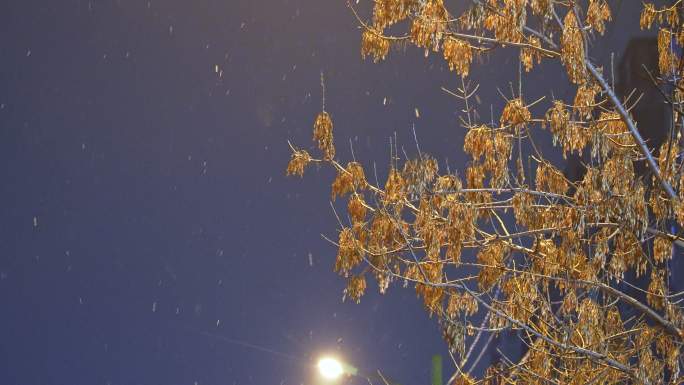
(463, 302)
(584, 99)
(458, 54)
(323, 134)
(356, 287)
(541, 8)
(343, 184)
(357, 209)
(515, 113)
(597, 14)
(298, 162)
(418, 175)
(662, 249)
(656, 291)
(547, 263)
(507, 21)
(375, 45)
(492, 256)
(395, 187)
(625, 255)
(524, 213)
(569, 303)
(521, 294)
(570, 135)
(388, 12)
(349, 254)
(478, 141)
(432, 295)
(460, 228)
(448, 183)
(648, 14)
(666, 58)
(429, 25)
(357, 174)
(612, 135)
(572, 49)
(529, 55)
(667, 160)
(551, 179)
(464, 379)
(590, 319)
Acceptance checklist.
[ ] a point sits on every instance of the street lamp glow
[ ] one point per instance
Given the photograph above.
(330, 368)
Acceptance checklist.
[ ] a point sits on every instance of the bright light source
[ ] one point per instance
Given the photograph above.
(330, 368)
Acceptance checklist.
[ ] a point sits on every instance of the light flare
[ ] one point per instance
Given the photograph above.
(330, 368)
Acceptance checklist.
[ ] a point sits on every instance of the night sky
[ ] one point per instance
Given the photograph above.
(146, 220)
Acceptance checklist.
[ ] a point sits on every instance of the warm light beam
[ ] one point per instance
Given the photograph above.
(330, 368)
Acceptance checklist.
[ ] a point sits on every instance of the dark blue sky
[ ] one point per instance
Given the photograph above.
(143, 148)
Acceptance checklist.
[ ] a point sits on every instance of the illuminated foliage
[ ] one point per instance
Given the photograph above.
(517, 242)
(458, 54)
(300, 159)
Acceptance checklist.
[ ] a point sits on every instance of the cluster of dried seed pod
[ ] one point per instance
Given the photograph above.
(517, 241)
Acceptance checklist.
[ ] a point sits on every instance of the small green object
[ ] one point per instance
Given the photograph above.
(437, 370)
(350, 370)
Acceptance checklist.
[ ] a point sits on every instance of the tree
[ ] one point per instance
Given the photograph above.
(517, 242)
